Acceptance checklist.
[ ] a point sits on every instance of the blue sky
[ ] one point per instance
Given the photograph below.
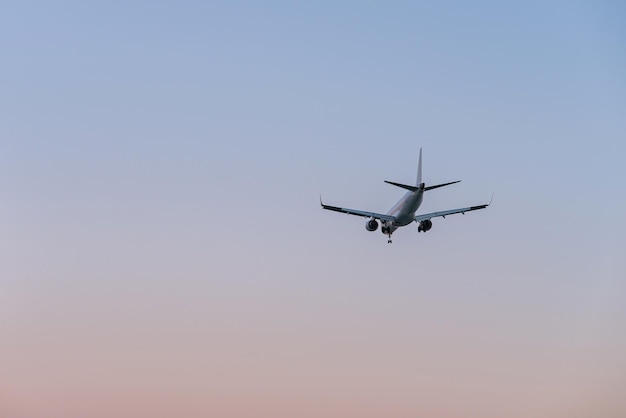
(160, 169)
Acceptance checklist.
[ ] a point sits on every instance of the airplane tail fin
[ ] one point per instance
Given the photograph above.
(420, 185)
(419, 169)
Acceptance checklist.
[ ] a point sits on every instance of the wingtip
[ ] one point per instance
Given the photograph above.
(491, 200)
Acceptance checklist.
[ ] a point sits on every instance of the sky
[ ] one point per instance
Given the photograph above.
(163, 252)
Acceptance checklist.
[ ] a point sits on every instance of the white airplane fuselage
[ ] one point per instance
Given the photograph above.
(404, 210)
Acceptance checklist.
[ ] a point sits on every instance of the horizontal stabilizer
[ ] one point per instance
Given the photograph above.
(440, 185)
(404, 186)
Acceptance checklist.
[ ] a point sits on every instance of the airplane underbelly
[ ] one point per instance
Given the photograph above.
(405, 217)
(404, 210)
(401, 221)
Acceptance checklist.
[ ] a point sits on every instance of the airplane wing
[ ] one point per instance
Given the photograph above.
(444, 213)
(365, 214)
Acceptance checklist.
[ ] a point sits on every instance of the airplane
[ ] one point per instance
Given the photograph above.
(403, 212)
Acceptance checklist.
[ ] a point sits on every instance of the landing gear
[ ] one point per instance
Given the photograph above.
(386, 229)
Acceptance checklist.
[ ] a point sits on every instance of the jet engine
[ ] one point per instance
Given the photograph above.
(425, 225)
(371, 225)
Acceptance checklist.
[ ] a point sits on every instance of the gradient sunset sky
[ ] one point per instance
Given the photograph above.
(163, 252)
